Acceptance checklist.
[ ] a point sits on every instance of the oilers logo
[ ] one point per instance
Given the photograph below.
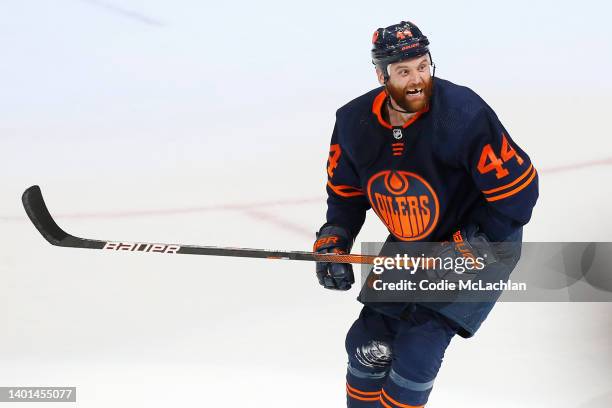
(405, 202)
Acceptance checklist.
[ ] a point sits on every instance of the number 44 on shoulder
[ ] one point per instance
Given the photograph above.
(489, 161)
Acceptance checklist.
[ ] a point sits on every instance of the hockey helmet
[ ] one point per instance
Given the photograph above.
(396, 43)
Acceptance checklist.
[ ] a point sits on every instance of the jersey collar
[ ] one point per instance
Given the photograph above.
(377, 106)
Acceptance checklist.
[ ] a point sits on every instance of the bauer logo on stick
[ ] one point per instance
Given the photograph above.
(142, 247)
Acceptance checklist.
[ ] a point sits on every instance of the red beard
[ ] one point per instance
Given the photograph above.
(399, 96)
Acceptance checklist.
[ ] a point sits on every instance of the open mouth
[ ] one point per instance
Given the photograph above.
(414, 92)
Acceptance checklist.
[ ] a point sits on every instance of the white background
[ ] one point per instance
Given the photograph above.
(209, 123)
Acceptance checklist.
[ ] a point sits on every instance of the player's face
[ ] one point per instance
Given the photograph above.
(410, 83)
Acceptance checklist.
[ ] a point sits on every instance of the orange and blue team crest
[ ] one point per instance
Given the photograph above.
(405, 203)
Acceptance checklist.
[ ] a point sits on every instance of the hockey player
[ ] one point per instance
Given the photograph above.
(434, 162)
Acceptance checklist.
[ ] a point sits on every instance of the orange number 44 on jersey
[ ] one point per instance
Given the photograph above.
(490, 162)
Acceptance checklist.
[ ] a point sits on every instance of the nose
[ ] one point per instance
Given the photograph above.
(414, 79)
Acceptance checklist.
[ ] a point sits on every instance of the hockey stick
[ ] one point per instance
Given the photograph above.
(38, 213)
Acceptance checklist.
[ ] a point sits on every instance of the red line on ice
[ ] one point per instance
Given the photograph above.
(248, 207)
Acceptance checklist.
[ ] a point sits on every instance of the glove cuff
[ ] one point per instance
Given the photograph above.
(332, 236)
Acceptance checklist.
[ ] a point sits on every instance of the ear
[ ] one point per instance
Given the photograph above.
(380, 76)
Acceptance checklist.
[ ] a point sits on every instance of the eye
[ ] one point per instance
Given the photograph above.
(403, 72)
(422, 68)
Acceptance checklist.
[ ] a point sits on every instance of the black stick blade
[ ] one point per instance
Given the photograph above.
(43, 221)
(41, 218)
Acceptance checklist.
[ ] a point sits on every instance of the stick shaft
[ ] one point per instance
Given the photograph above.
(42, 219)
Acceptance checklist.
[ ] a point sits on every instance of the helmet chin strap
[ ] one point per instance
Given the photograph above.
(390, 105)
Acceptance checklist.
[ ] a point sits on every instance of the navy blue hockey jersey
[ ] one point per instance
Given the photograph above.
(450, 165)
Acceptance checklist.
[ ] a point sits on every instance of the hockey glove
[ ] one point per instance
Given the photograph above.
(334, 239)
(468, 252)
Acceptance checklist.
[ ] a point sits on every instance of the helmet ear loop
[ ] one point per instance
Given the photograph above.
(387, 73)
(433, 74)
(386, 76)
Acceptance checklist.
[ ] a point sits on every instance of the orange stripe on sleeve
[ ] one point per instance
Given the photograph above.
(516, 190)
(345, 191)
(518, 179)
(397, 404)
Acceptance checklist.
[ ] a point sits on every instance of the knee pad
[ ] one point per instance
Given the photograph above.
(374, 354)
(369, 361)
(367, 371)
(367, 351)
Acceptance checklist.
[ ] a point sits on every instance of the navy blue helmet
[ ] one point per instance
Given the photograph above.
(397, 42)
